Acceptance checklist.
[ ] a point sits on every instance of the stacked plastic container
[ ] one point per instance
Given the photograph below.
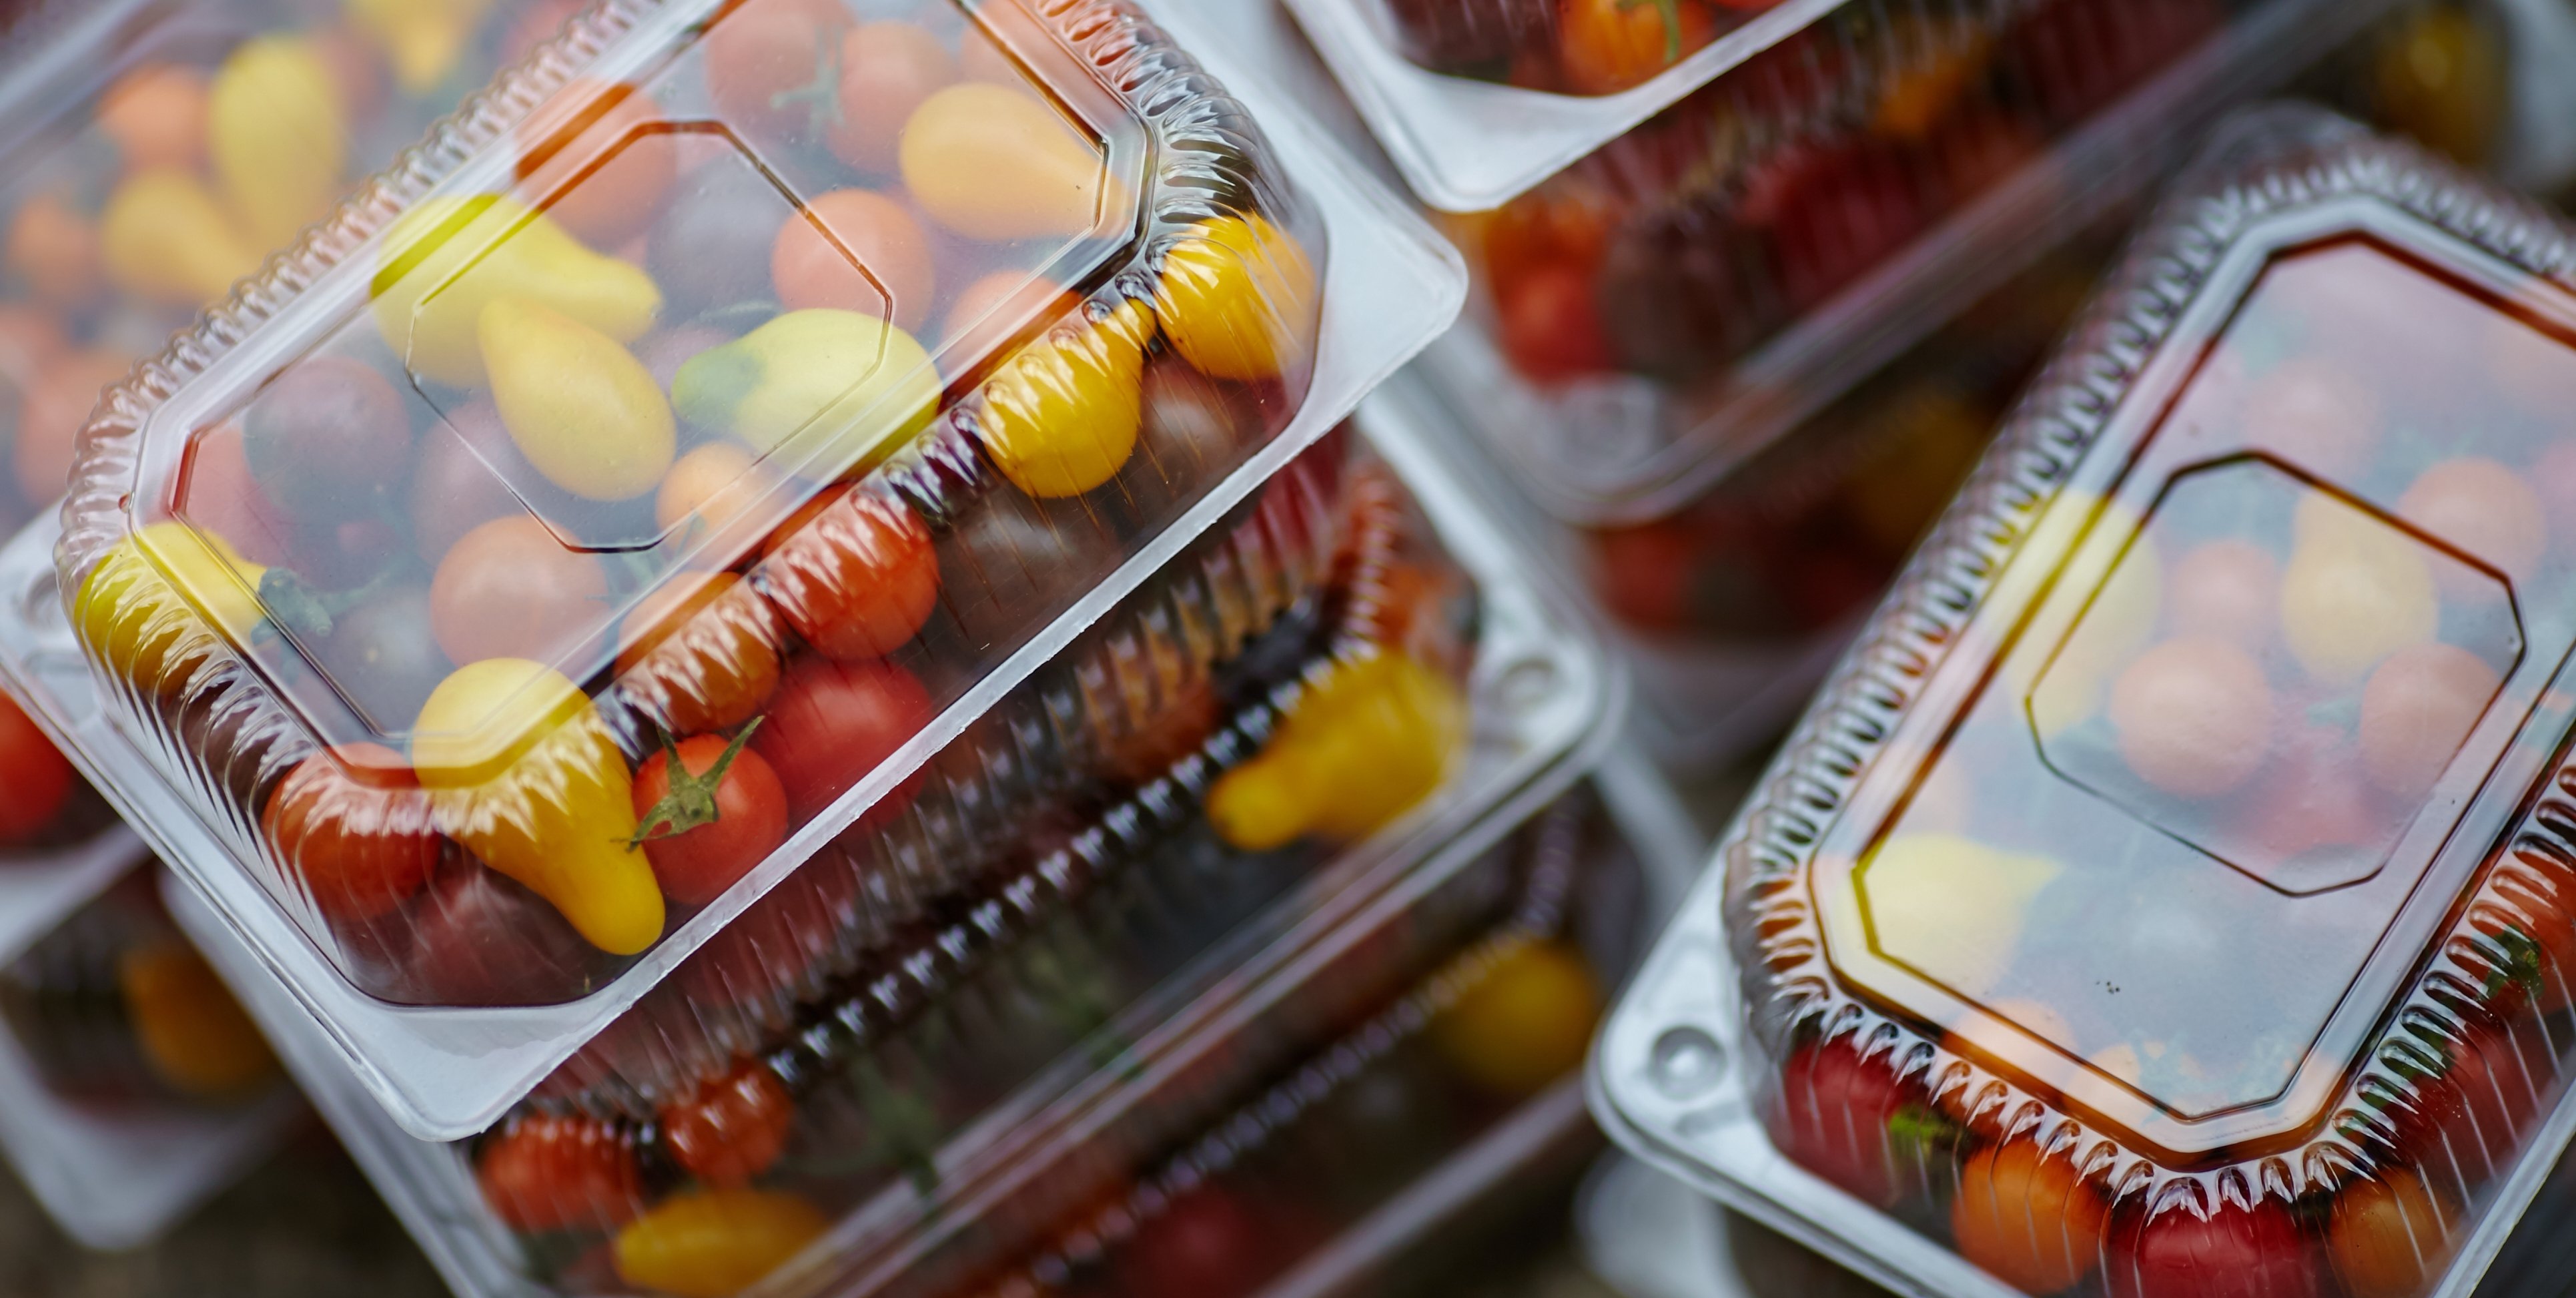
(131, 1085)
(2169, 894)
(747, 627)
(1701, 229)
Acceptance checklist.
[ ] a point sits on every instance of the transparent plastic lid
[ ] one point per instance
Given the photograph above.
(2188, 911)
(681, 396)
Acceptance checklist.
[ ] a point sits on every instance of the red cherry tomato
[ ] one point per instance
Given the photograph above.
(703, 839)
(509, 589)
(835, 722)
(2474, 1111)
(546, 1173)
(478, 939)
(354, 826)
(733, 1128)
(859, 580)
(1205, 1243)
(38, 777)
(1831, 1114)
(2186, 1251)
(1551, 325)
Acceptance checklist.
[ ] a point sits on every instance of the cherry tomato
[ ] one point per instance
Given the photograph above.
(596, 144)
(548, 1172)
(2317, 415)
(859, 581)
(327, 439)
(157, 116)
(716, 489)
(38, 777)
(1644, 573)
(2390, 1235)
(464, 479)
(2417, 708)
(2541, 894)
(887, 69)
(2471, 1110)
(855, 250)
(778, 940)
(733, 1128)
(769, 65)
(194, 1035)
(479, 939)
(55, 249)
(834, 722)
(715, 1243)
(1831, 1115)
(701, 840)
(1205, 1243)
(2226, 588)
(1525, 1023)
(2184, 1250)
(222, 497)
(354, 827)
(52, 414)
(510, 589)
(1833, 214)
(2027, 1218)
(995, 309)
(1551, 325)
(700, 653)
(2194, 716)
(1606, 46)
(2485, 509)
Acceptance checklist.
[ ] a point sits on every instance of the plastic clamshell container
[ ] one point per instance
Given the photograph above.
(116, 1163)
(156, 152)
(2179, 856)
(1125, 426)
(1875, 182)
(1542, 702)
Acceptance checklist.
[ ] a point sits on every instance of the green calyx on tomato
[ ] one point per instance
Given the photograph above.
(1671, 12)
(691, 802)
(820, 97)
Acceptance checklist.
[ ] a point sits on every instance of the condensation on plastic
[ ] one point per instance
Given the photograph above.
(1754, 252)
(2174, 1006)
(1541, 699)
(224, 738)
(88, 1119)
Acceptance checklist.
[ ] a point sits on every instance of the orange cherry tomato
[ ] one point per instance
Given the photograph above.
(769, 64)
(2390, 1235)
(700, 653)
(2027, 1218)
(509, 589)
(1606, 46)
(2194, 716)
(593, 153)
(157, 116)
(855, 250)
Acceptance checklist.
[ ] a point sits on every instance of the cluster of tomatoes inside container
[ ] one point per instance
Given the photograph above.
(2126, 890)
(1692, 240)
(117, 1012)
(647, 508)
(1574, 47)
(814, 1053)
(214, 136)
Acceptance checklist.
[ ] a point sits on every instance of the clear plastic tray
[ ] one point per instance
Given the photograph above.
(1747, 261)
(155, 152)
(2227, 987)
(961, 627)
(130, 1086)
(1541, 700)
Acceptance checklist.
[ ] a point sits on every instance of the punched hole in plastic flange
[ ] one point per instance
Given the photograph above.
(1687, 1063)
